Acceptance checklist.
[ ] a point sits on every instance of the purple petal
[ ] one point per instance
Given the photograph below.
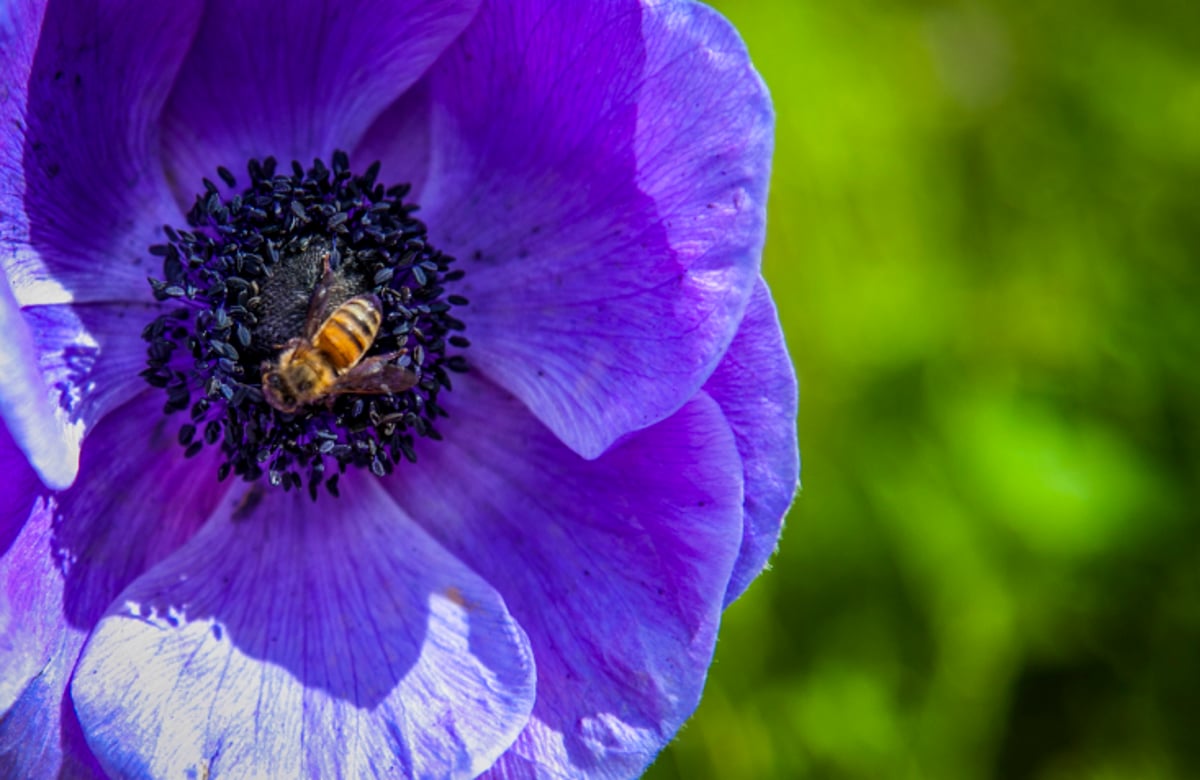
(615, 567)
(755, 386)
(39, 734)
(293, 639)
(25, 406)
(296, 80)
(18, 489)
(83, 193)
(40, 737)
(400, 140)
(30, 599)
(601, 169)
(29, 412)
(137, 499)
(79, 362)
(90, 355)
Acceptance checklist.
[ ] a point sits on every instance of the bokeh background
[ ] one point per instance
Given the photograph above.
(984, 242)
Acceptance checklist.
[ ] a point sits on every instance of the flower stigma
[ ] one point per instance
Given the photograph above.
(312, 325)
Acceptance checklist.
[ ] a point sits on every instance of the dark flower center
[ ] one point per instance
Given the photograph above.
(312, 325)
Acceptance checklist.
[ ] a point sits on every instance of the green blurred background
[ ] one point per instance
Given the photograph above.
(984, 241)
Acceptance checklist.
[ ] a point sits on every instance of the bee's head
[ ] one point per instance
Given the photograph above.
(278, 391)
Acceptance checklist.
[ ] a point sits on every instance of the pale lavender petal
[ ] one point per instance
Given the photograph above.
(20, 25)
(297, 80)
(755, 386)
(30, 597)
(298, 639)
(28, 410)
(615, 567)
(37, 648)
(39, 735)
(601, 171)
(136, 500)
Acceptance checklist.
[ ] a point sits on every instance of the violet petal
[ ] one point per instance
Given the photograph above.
(91, 355)
(755, 386)
(81, 188)
(601, 170)
(400, 139)
(615, 567)
(39, 734)
(18, 489)
(137, 499)
(299, 639)
(28, 409)
(31, 584)
(297, 80)
(82, 178)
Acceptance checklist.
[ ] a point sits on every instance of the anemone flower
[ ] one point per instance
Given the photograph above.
(298, 484)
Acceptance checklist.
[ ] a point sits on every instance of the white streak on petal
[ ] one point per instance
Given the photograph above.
(39, 425)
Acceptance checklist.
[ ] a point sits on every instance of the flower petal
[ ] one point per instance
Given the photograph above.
(293, 639)
(30, 597)
(40, 737)
(37, 424)
(137, 499)
(39, 734)
(400, 140)
(83, 193)
(18, 490)
(90, 355)
(296, 81)
(25, 406)
(755, 386)
(601, 169)
(615, 567)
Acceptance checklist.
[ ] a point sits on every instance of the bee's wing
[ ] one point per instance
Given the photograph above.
(374, 376)
(320, 297)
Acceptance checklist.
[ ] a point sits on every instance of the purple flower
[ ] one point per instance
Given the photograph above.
(539, 593)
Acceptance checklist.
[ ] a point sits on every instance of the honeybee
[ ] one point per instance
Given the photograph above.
(327, 360)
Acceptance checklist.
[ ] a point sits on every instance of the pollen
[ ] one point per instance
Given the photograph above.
(308, 325)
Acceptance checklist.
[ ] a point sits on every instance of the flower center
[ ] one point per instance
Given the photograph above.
(312, 325)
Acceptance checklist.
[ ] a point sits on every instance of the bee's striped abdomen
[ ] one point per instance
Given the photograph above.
(349, 331)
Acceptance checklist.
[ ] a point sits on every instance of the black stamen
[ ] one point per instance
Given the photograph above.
(244, 276)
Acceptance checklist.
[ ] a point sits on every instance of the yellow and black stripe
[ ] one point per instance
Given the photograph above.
(348, 332)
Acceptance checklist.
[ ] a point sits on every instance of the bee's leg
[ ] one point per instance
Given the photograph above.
(388, 358)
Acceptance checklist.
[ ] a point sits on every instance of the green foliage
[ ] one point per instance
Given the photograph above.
(985, 248)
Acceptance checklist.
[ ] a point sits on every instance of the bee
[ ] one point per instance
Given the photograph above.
(327, 360)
